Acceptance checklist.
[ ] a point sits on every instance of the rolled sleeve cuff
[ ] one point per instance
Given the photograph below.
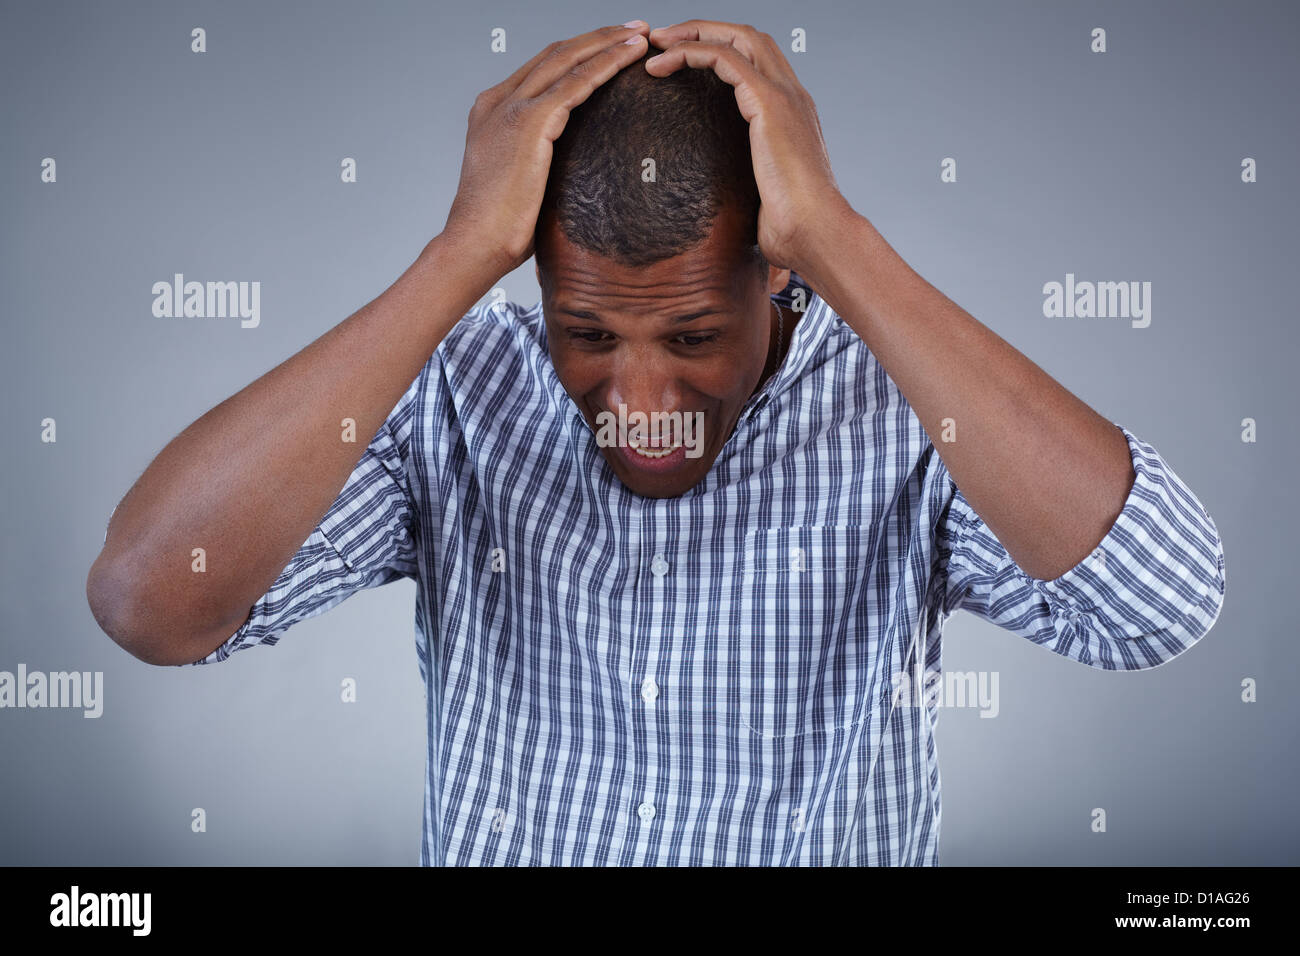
(1155, 581)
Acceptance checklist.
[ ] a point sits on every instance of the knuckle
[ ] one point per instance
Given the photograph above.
(514, 113)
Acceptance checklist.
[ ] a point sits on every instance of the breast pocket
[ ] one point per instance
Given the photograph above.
(804, 649)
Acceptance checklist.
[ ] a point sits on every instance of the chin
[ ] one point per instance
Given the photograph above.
(672, 482)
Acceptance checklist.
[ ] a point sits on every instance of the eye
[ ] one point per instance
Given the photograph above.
(694, 339)
(586, 335)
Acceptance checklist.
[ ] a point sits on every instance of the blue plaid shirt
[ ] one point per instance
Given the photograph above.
(714, 678)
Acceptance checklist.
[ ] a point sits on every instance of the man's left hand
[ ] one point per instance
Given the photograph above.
(798, 194)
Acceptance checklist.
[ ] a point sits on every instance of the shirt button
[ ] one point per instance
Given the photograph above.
(646, 812)
(658, 566)
(649, 690)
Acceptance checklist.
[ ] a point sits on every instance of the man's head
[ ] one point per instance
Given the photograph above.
(655, 292)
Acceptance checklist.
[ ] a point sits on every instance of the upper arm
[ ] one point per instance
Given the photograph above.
(366, 539)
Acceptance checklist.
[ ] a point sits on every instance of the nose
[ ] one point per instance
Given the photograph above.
(643, 386)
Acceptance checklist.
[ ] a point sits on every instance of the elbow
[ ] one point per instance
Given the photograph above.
(1211, 605)
(105, 596)
(110, 593)
(1204, 614)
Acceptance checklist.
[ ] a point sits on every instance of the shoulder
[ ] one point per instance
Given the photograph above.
(496, 354)
(483, 353)
(835, 360)
(496, 331)
(841, 384)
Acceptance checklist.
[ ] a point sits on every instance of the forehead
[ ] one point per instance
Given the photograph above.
(713, 268)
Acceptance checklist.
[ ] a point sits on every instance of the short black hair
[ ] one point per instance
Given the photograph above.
(689, 124)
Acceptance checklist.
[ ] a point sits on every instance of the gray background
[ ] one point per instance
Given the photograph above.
(225, 165)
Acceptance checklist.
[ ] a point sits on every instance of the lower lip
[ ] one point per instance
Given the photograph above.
(668, 462)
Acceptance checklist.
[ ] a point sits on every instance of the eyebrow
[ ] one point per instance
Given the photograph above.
(678, 320)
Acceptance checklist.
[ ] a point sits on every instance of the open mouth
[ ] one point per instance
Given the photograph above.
(652, 449)
(648, 457)
(659, 442)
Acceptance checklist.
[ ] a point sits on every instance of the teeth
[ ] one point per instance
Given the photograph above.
(652, 453)
(647, 452)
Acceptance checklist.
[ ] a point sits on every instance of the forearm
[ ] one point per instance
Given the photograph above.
(1043, 470)
(249, 480)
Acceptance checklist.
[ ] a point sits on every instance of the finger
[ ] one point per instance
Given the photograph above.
(761, 49)
(573, 52)
(725, 60)
(510, 84)
(578, 83)
(495, 94)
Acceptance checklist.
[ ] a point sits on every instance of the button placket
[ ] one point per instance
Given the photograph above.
(621, 849)
(650, 652)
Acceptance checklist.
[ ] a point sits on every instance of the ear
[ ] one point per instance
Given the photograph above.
(777, 279)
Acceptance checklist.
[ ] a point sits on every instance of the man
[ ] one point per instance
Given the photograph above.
(644, 644)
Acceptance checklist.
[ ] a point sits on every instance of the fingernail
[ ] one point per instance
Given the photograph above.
(634, 23)
(633, 40)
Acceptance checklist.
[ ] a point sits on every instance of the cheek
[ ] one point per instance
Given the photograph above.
(577, 372)
(728, 377)
(719, 378)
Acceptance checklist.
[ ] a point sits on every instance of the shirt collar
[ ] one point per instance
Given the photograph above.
(805, 341)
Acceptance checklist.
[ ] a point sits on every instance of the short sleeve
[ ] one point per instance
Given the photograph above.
(365, 540)
(1151, 588)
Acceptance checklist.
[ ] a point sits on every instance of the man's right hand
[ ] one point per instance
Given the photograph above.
(512, 129)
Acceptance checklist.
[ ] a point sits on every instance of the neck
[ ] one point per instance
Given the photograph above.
(777, 341)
